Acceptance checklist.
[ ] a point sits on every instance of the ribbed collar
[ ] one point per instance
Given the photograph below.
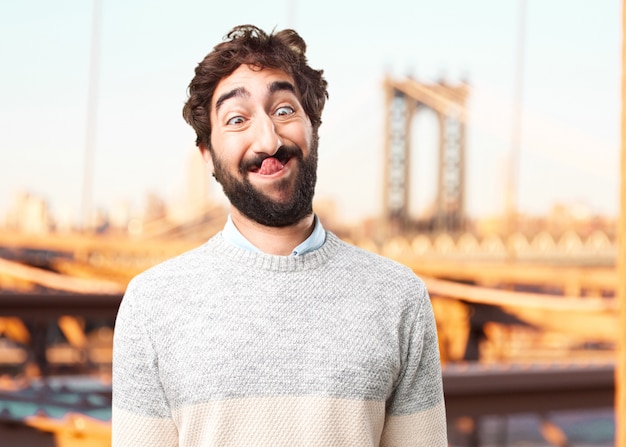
(263, 261)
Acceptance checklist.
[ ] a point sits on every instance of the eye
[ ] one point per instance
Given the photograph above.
(284, 111)
(235, 120)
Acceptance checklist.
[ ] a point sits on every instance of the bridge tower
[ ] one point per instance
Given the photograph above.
(403, 99)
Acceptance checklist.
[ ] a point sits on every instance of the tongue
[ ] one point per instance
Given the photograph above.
(270, 166)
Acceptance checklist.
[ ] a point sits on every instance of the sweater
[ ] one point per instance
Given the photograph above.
(221, 346)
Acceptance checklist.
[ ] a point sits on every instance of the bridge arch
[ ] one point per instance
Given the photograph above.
(403, 99)
(598, 241)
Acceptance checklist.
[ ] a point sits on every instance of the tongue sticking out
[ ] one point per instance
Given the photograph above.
(270, 166)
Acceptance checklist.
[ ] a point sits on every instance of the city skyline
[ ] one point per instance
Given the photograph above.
(570, 125)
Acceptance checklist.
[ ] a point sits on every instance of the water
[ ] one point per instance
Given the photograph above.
(56, 397)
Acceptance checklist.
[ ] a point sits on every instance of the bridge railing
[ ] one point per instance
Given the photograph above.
(596, 248)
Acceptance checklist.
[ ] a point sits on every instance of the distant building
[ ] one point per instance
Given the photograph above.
(199, 194)
(120, 215)
(198, 184)
(29, 213)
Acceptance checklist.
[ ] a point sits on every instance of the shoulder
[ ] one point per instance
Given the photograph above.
(176, 270)
(373, 268)
(367, 259)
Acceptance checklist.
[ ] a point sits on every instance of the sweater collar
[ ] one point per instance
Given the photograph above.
(263, 261)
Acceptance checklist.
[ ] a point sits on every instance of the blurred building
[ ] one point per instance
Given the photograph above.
(198, 184)
(120, 215)
(29, 213)
(199, 192)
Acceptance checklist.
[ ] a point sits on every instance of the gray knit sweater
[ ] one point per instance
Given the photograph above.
(224, 347)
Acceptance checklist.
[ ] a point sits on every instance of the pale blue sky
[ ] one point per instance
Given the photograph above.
(570, 144)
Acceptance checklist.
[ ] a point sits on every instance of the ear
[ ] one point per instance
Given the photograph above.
(206, 155)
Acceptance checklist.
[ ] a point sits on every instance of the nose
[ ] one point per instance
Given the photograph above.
(266, 139)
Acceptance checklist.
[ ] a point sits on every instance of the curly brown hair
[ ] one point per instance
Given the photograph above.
(247, 44)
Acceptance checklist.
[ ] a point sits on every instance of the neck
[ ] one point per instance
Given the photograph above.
(274, 240)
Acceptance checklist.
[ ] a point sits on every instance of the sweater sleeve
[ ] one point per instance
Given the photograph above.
(416, 411)
(140, 411)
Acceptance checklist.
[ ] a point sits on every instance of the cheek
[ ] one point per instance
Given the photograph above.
(229, 147)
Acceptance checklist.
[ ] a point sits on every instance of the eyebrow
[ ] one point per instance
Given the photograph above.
(277, 86)
(238, 92)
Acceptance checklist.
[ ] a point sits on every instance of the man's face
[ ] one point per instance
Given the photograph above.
(263, 149)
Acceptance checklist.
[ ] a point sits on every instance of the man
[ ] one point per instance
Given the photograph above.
(274, 332)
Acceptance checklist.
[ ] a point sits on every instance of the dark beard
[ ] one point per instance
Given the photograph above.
(260, 208)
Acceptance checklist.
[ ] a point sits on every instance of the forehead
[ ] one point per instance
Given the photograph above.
(250, 79)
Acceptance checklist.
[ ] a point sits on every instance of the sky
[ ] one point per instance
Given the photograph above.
(569, 89)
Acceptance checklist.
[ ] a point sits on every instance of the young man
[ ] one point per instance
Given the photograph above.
(274, 332)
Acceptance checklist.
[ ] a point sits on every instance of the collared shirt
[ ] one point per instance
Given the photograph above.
(233, 236)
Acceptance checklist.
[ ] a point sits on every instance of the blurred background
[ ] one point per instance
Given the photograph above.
(477, 142)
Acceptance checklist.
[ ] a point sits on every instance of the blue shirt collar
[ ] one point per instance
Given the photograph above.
(233, 236)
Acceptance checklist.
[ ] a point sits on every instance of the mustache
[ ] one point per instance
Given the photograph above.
(283, 154)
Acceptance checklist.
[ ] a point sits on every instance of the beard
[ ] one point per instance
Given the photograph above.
(256, 205)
